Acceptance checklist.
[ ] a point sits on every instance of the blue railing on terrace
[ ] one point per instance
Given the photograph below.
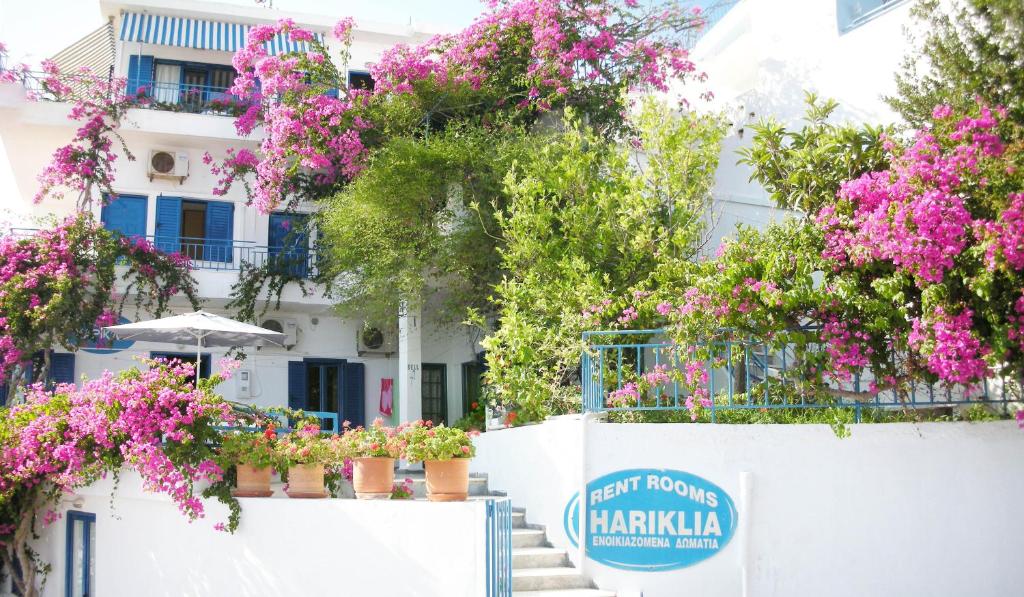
(183, 97)
(743, 375)
(498, 554)
(328, 423)
(225, 255)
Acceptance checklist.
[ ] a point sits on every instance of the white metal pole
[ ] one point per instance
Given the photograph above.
(199, 354)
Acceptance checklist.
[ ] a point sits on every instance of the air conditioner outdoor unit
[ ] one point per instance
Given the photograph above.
(165, 163)
(372, 340)
(288, 327)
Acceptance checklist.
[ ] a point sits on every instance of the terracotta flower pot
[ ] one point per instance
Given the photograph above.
(373, 477)
(251, 481)
(447, 480)
(306, 481)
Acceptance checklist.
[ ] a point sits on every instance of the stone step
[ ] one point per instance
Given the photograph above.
(518, 520)
(528, 538)
(477, 484)
(565, 593)
(539, 557)
(536, 579)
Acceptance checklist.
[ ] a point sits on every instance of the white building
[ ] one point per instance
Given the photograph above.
(174, 48)
(762, 55)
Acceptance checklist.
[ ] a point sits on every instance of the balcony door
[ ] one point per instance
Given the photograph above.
(167, 83)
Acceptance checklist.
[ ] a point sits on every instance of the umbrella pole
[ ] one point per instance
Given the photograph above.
(199, 356)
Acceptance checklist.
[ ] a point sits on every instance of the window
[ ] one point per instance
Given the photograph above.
(472, 375)
(434, 390)
(192, 85)
(126, 215)
(203, 230)
(288, 243)
(360, 80)
(80, 566)
(853, 13)
(204, 361)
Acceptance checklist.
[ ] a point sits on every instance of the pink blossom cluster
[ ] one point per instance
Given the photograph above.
(627, 395)
(695, 375)
(848, 348)
(914, 215)
(1005, 236)
(953, 353)
(69, 437)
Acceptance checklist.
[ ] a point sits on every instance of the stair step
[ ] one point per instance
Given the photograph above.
(535, 579)
(539, 557)
(528, 538)
(477, 485)
(518, 520)
(565, 593)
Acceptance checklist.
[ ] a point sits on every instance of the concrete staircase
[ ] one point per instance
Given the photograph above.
(538, 569)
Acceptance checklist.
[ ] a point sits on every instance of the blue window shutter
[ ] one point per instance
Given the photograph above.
(220, 223)
(168, 224)
(62, 367)
(353, 404)
(140, 74)
(296, 385)
(126, 215)
(288, 243)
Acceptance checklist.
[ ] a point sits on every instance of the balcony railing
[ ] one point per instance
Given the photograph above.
(226, 255)
(193, 99)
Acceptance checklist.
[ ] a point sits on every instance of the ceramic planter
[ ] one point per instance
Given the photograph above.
(447, 480)
(306, 481)
(251, 481)
(373, 477)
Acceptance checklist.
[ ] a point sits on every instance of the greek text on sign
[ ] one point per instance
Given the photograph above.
(653, 519)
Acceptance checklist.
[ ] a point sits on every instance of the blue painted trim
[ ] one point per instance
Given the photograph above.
(88, 519)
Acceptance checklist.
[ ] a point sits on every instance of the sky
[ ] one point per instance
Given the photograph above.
(36, 29)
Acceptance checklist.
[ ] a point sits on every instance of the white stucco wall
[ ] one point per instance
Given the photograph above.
(761, 58)
(283, 547)
(893, 510)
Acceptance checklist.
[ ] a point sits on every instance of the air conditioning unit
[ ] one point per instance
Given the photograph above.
(373, 340)
(165, 163)
(288, 327)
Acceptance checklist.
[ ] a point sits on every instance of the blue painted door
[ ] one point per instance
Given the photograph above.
(126, 215)
(288, 243)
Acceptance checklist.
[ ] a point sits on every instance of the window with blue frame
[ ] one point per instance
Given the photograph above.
(360, 80)
(126, 215)
(192, 86)
(80, 556)
(328, 385)
(62, 370)
(202, 230)
(853, 13)
(288, 243)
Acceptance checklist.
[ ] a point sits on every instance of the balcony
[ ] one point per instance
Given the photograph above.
(190, 99)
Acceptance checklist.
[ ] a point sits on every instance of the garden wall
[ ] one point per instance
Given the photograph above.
(283, 548)
(892, 510)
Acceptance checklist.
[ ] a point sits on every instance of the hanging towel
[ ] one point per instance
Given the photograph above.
(386, 395)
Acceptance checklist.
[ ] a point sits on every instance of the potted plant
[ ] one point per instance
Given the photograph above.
(253, 454)
(445, 453)
(373, 451)
(303, 453)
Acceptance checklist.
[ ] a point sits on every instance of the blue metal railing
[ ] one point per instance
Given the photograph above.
(498, 551)
(184, 97)
(225, 255)
(328, 423)
(743, 375)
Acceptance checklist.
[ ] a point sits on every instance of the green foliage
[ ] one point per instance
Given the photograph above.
(420, 221)
(375, 441)
(253, 448)
(425, 442)
(966, 49)
(584, 223)
(802, 169)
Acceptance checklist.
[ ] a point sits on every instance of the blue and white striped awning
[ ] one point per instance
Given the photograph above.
(200, 34)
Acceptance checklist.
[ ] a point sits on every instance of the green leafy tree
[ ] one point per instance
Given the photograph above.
(965, 50)
(588, 220)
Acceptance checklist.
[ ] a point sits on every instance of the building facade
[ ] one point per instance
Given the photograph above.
(179, 54)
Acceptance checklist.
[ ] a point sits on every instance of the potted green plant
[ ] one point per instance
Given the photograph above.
(254, 455)
(445, 453)
(303, 453)
(373, 451)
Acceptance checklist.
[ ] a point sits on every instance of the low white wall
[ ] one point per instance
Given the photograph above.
(896, 509)
(283, 548)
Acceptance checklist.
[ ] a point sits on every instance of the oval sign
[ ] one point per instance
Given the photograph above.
(653, 520)
(107, 344)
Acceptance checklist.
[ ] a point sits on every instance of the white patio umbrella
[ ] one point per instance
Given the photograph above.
(202, 328)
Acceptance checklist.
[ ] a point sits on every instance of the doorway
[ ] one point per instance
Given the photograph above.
(434, 392)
